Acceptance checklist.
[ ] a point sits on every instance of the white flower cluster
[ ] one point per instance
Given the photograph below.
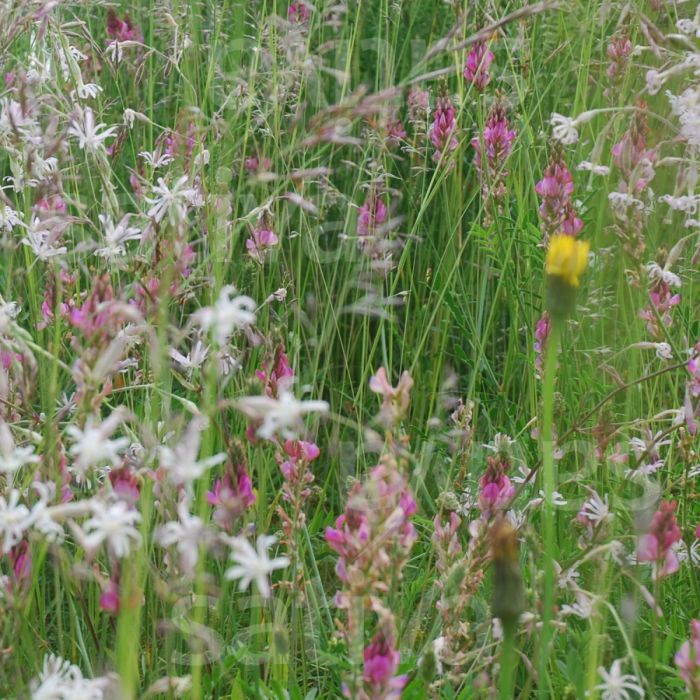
(686, 107)
(61, 680)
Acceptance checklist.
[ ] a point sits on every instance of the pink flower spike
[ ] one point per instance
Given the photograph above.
(109, 600)
(477, 69)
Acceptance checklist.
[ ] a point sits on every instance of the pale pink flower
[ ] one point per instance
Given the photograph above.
(688, 660)
(395, 400)
(261, 240)
(656, 545)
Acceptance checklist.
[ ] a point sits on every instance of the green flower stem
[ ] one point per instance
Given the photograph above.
(508, 663)
(550, 543)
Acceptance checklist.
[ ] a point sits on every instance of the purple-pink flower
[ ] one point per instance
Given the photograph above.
(125, 483)
(277, 375)
(110, 601)
(261, 240)
(688, 660)
(557, 210)
(693, 392)
(372, 214)
(232, 496)
(375, 527)
(619, 52)
(492, 151)
(21, 562)
(299, 455)
(381, 661)
(478, 61)
(662, 300)
(496, 488)
(298, 13)
(656, 545)
(122, 29)
(444, 128)
(542, 330)
(632, 157)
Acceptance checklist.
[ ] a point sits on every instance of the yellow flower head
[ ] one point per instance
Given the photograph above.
(567, 258)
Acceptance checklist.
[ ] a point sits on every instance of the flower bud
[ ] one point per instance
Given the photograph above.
(508, 597)
(567, 259)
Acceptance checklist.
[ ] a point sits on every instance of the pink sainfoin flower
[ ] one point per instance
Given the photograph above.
(394, 130)
(444, 129)
(496, 488)
(262, 239)
(232, 495)
(557, 210)
(657, 545)
(381, 661)
(694, 370)
(688, 661)
(136, 186)
(21, 561)
(298, 455)
(295, 464)
(122, 29)
(253, 164)
(277, 377)
(373, 238)
(446, 542)
(374, 534)
(662, 299)
(478, 61)
(110, 601)
(94, 317)
(182, 141)
(125, 484)
(372, 214)
(619, 52)
(418, 106)
(490, 158)
(298, 13)
(692, 393)
(633, 158)
(277, 374)
(51, 205)
(373, 539)
(395, 400)
(542, 330)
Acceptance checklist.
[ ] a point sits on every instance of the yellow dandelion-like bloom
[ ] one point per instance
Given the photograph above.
(567, 259)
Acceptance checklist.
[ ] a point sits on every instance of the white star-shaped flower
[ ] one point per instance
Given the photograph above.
(182, 461)
(114, 524)
(254, 564)
(116, 236)
(90, 135)
(92, 446)
(188, 534)
(228, 314)
(617, 685)
(282, 415)
(13, 457)
(15, 518)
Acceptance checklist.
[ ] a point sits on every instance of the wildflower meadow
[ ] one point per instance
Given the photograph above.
(349, 349)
